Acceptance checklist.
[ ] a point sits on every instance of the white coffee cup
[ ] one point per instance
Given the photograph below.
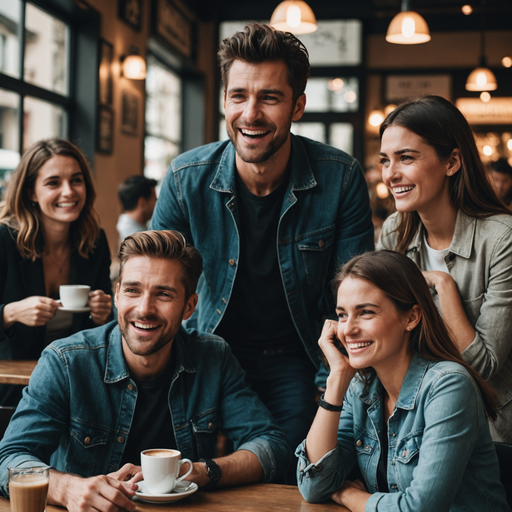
(74, 296)
(160, 469)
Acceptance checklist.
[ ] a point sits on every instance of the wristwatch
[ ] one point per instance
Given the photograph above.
(326, 405)
(214, 472)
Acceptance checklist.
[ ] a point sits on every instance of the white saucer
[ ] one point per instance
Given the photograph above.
(144, 495)
(75, 310)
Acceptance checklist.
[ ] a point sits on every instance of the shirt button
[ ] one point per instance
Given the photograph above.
(367, 447)
(211, 425)
(130, 387)
(394, 435)
(87, 440)
(120, 439)
(394, 486)
(405, 453)
(231, 262)
(321, 243)
(359, 442)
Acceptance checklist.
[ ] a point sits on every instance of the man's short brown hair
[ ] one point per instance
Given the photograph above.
(259, 43)
(168, 245)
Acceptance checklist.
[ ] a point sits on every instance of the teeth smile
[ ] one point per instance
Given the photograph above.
(253, 133)
(359, 345)
(66, 205)
(146, 327)
(398, 190)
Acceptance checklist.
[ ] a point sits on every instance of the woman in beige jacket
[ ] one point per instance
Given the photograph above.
(452, 224)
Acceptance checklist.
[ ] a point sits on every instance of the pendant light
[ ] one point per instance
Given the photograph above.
(408, 27)
(481, 78)
(133, 66)
(294, 16)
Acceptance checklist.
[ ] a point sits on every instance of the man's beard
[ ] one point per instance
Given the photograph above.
(267, 152)
(149, 348)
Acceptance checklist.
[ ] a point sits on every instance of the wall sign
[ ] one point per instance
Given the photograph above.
(174, 27)
(407, 87)
(495, 111)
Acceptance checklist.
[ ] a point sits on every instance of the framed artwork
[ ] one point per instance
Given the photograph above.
(105, 73)
(130, 11)
(173, 27)
(105, 131)
(129, 113)
(407, 87)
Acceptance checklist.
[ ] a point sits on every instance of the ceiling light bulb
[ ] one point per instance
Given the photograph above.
(336, 84)
(481, 79)
(509, 144)
(467, 9)
(376, 118)
(485, 96)
(350, 96)
(382, 191)
(487, 150)
(408, 27)
(507, 62)
(293, 17)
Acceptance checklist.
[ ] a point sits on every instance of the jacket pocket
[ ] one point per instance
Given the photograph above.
(315, 248)
(86, 446)
(205, 427)
(366, 447)
(407, 455)
(472, 308)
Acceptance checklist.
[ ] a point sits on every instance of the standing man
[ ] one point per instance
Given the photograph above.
(273, 215)
(138, 198)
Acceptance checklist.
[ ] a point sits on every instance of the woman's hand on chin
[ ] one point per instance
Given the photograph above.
(338, 362)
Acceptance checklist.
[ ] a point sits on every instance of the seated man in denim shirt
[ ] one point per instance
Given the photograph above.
(99, 397)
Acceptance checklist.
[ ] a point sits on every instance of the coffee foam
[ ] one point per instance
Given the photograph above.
(161, 453)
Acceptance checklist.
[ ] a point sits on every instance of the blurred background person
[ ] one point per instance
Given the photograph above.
(455, 228)
(138, 198)
(49, 236)
(501, 180)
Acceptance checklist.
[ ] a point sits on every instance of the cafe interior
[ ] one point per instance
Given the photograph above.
(134, 83)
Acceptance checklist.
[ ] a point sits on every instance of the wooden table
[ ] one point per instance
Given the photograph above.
(247, 498)
(16, 372)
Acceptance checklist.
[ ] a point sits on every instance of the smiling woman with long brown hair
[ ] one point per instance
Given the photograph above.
(453, 226)
(49, 236)
(402, 406)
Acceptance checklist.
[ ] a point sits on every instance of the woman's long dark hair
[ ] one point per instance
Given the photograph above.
(399, 278)
(441, 125)
(23, 215)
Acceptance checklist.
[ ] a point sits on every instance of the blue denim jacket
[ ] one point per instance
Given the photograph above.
(77, 410)
(440, 455)
(325, 220)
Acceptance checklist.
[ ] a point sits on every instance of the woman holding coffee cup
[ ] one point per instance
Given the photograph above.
(49, 236)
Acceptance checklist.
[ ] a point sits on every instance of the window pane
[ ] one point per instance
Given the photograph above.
(46, 50)
(9, 139)
(315, 131)
(42, 120)
(341, 136)
(163, 102)
(332, 94)
(158, 154)
(9, 44)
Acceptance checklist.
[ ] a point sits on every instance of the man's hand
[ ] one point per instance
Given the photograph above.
(99, 493)
(199, 474)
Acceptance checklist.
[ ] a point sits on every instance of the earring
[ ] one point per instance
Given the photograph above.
(450, 173)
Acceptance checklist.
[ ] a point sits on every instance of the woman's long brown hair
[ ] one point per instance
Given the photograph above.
(441, 125)
(399, 278)
(21, 214)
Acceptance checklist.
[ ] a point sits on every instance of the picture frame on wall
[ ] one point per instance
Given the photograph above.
(105, 73)
(105, 137)
(129, 113)
(130, 11)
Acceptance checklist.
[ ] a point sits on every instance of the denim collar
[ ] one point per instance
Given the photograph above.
(117, 369)
(463, 236)
(301, 178)
(408, 391)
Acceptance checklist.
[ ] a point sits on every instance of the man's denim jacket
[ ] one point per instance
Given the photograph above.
(325, 220)
(77, 410)
(440, 455)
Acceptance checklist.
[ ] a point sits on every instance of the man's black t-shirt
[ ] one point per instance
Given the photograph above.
(151, 424)
(257, 317)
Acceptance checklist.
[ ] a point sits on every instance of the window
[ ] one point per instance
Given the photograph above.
(34, 79)
(163, 118)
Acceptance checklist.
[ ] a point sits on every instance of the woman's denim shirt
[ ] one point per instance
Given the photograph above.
(78, 407)
(480, 262)
(440, 456)
(325, 220)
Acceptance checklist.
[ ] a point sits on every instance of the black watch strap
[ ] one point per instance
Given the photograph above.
(326, 405)
(214, 472)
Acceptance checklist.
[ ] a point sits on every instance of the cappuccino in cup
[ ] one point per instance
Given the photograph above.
(28, 489)
(160, 469)
(74, 296)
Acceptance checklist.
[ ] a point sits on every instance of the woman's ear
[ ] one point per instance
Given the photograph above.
(413, 318)
(454, 162)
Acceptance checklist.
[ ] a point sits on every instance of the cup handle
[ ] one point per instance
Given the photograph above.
(188, 472)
